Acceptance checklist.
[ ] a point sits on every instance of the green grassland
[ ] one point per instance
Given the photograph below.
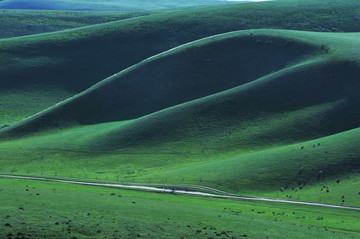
(74, 60)
(245, 139)
(37, 209)
(186, 97)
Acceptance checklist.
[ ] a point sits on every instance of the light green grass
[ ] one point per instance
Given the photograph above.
(258, 173)
(93, 212)
(14, 103)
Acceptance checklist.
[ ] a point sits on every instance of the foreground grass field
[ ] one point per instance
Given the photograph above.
(38, 209)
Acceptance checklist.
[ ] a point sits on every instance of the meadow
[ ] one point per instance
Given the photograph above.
(255, 99)
(35, 209)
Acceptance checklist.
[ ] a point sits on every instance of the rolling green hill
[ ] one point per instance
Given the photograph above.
(71, 61)
(29, 22)
(253, 99)
(267, 94)
(108, 5)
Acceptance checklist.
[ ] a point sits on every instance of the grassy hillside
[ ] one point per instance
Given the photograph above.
(261, 112)
(108, 5)
(187, 73)
(297, 61)
(247, 137)
(28, 22)
(76, 59)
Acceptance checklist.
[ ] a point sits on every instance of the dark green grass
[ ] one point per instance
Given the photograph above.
(273, 117)
(187, 73)
(64, 58)
(14, 103)
(39, 209)
(28, 22)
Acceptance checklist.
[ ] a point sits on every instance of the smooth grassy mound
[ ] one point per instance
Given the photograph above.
(183, 74)
(71, 61)
(299, 62)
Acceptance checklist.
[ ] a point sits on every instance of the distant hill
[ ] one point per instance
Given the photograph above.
(107, 5)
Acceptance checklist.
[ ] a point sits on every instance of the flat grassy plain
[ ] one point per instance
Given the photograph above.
(68, 211)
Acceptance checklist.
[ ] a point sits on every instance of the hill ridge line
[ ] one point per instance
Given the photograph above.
(183, 47)
(4, 40)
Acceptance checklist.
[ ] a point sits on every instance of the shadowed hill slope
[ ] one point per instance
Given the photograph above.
(71, 61)
(78, 58)
(28, 22)
(312, 97)
(183, 74)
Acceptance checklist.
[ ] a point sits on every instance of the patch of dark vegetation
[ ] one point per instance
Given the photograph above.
(4, 126)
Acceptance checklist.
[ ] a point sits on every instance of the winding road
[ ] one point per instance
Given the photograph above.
(182, 191)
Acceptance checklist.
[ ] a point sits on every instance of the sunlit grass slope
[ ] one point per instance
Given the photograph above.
(222, 126)
(73, 60)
